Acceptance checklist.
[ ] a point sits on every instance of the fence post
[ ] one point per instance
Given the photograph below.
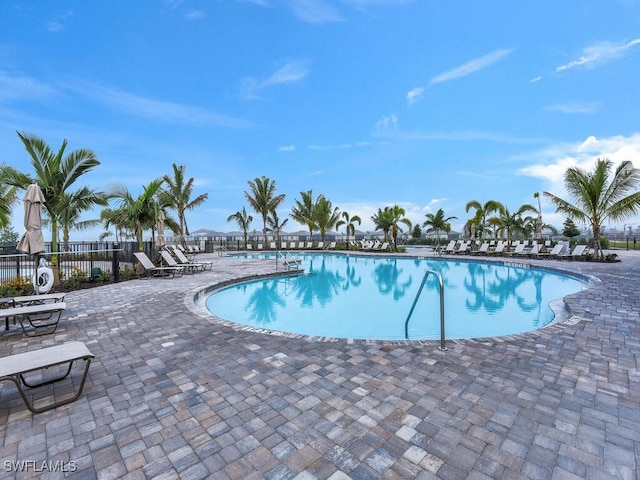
(115, 268)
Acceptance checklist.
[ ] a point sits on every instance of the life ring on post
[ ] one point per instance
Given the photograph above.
(45, 279)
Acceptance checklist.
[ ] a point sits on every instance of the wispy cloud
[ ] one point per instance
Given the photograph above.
(388, 123)
(314, 11)
(262, 3)
(193, 15)
(599, 54)
(429, 207)
(287, 148)
(457, 136)
(59, 23)
(291, 72)
(156, 110)
(23, 88)
(414, 94)
(461, 71)
(576, 107)
(536, 79)
(472, 66)
(344, 146)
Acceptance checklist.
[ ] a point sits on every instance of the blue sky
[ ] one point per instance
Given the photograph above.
(423, 104)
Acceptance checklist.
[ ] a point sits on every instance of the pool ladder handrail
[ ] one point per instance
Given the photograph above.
(289, 260)
(443, 346)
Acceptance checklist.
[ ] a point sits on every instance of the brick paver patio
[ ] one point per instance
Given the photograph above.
(175, 393)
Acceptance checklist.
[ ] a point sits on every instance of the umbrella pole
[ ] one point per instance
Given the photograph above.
(36, 281)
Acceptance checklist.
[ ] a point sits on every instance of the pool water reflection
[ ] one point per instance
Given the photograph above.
(367, 297)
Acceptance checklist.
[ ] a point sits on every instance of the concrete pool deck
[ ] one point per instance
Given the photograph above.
(173, 393)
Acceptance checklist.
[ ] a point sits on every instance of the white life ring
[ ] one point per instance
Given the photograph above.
(45, 279)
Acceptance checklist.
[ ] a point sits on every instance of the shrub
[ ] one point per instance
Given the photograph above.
(127, 273)
(16, 287)
(76, 277)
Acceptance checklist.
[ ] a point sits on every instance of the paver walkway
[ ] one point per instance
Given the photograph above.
(174, 393)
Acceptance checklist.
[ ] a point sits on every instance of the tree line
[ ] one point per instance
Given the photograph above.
(599, 195)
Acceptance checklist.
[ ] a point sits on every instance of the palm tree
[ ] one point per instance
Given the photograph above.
(437, 223)
(482, 212)
(177, 195)
(388, 219)
(275, 225)
(55, 173)
(599, 197)
(263, 199)
(382, 220)
(349, 222)
(7, 199)
(244, 221)
(71, 213)
(137, 214)
(302, 211)
(511, 222)
(326, 216)
(397, 216)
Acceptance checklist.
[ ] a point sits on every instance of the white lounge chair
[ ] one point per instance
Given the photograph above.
(449, 247)
(555, 252)
(483, 250)
(462, 248)
(151, 269)
(519, 250)
(184, 260)
(188, 266)
(499, 250)
(579, 251)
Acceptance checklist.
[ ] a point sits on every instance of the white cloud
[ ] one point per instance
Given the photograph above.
(386, 124)
(291, 72)
(536, 79)
(262, 3)
(314, 11)
(192, 15)
(462, 71)
(157, 110)
(599, 54)
(414, 94)
(344, 146)
(551, 163)
(575, 107)
(287, 148)
(23, 88)
(430, 207)
(59, 23)
(472, 66)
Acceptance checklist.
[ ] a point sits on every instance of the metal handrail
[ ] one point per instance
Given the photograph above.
(288, 263)
(415, 301)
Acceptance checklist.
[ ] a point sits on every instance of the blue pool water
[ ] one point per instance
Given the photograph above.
(369, 297)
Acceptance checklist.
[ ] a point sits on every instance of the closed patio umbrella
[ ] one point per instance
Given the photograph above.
(538, 233)
(32, 242)
(160, 240)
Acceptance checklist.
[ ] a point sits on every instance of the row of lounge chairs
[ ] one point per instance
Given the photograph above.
(284, 245)
(369, 245)
(177, 263)
(537, 250)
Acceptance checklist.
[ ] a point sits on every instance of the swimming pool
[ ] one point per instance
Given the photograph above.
(369, 297)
